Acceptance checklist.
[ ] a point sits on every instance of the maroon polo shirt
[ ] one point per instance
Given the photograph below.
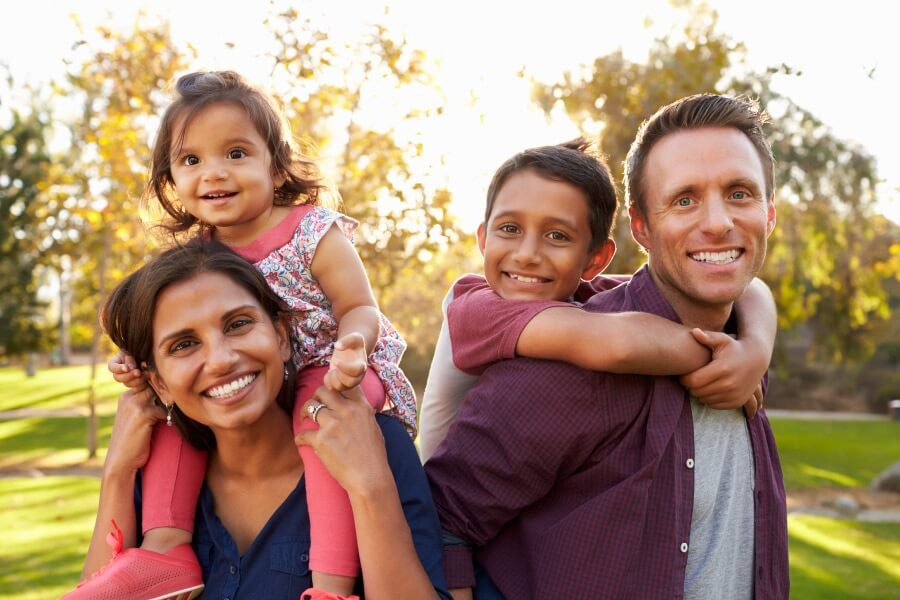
(577, 484)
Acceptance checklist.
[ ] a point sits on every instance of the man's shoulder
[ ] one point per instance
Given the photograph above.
(533, 377)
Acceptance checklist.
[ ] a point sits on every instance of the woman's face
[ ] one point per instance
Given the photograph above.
(218, 356)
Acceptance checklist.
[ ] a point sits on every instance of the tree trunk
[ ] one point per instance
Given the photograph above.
(95, 344)
(65, 311)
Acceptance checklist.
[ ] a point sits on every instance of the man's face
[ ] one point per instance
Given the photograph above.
(707, 218)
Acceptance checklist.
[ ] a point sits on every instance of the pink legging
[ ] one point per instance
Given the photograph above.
(175, 470)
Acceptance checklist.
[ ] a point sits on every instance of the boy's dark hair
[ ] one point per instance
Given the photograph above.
(695, 112)
(127, 315)
(196, 91)
(575, 162)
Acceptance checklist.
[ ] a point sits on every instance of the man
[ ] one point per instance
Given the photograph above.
(575, 484)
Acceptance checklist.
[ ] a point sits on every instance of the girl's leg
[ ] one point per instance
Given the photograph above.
(171, 484)
(333, 555)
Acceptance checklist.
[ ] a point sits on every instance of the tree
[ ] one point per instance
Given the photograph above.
(334, 94)
(24, 164)
(120, 80)
(825, 186)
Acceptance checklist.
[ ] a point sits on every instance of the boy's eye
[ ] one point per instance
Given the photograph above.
(508, 228)
(558, 236)
(191, 160)
(236, 154)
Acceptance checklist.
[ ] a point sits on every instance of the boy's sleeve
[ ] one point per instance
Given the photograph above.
(445, 390)
(485, 328)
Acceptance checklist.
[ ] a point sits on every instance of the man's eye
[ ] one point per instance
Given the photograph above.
(685, 201)
(739, 195)
(191, 160)
(236, 154)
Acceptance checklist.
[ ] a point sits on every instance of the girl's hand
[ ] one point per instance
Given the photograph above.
(729, 379)
(348, 442)
(129, 445)
(125, 371)
(348, 363)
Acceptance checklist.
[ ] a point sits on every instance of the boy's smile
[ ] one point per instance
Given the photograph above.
(536, 242)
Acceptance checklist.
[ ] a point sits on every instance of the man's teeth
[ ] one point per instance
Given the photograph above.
(717, 258)
(524, 278)
(230, 388)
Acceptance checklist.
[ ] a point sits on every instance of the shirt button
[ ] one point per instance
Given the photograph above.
(689, 463)
(232, 569)
(684, 547)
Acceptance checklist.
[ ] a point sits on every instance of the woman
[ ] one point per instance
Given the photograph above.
(213, 338)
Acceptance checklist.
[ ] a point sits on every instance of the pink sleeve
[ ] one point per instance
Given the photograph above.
(485, 328)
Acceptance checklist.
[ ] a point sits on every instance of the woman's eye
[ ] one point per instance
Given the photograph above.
(236, 154)
(181, 345)
(239, 323)
(191, 160)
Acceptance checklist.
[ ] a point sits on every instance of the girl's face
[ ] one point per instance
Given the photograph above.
(217, 354)
(223, 172)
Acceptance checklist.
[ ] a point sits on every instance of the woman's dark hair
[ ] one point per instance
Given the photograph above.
(575, 162)
(194, 92)
(127, 315)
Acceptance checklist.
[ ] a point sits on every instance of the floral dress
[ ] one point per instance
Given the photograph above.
(286, 267)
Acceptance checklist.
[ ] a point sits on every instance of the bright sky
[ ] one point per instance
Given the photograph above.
(849, 55)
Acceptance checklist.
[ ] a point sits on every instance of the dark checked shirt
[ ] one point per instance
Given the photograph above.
(576, 484)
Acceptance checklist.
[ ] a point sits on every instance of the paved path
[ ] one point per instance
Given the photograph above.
(824, 415)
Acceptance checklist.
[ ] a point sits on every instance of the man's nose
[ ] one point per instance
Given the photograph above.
(717, 217)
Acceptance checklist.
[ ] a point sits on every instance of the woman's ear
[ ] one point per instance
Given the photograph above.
(158, 386)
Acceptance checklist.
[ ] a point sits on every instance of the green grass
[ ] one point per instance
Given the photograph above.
(49, 442)
(46, 524)
(56, 388)
(835, 453)
(838, 558)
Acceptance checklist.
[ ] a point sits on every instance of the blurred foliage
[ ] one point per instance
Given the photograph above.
(832, 261)
(24, 166)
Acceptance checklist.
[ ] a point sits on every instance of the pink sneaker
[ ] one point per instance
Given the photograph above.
(137, 574)
(317, 594)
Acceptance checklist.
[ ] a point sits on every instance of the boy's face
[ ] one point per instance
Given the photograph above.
(535, 243)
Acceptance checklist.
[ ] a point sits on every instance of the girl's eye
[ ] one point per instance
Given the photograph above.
(684, 201)
(191, 160)
(236, 154)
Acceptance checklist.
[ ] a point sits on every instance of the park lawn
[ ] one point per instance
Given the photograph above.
(835, 453)
(56, 388)
(45, 442)
(46, 524)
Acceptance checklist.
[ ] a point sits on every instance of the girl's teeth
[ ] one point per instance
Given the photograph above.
(230, 388)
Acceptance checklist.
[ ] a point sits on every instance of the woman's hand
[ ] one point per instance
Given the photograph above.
(348, 442)
(129, 445)
(125, 371)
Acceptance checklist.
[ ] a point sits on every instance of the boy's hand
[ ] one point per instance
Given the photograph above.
(125, 371)
(752, 406)
(348, 363)
(729, 379)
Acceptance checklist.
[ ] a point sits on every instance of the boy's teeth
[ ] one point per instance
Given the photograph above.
(524, 279)
(230, 388)
(717, 258)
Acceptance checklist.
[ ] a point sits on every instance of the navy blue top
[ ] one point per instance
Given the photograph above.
(276, 565)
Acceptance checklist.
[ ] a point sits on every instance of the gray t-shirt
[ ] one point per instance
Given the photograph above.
(720, 552)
